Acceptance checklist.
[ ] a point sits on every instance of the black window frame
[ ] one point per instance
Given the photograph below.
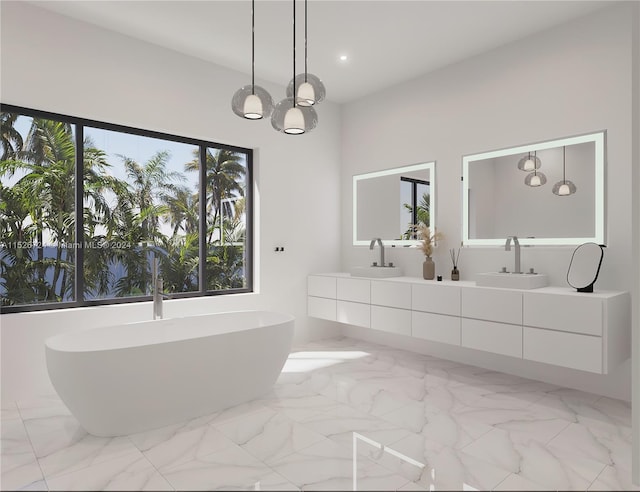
(203, 145)
(414, 195)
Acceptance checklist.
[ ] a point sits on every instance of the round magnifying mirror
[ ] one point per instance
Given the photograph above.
(585, 266)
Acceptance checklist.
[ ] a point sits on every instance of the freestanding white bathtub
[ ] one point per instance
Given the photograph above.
(124, 379)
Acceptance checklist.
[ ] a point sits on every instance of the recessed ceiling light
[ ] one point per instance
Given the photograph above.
(344, 58)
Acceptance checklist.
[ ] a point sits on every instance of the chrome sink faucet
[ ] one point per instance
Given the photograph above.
(507, 247)
(372, 245)
(157, 290)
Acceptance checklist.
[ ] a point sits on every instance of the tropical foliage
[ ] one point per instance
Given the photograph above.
(127, 221)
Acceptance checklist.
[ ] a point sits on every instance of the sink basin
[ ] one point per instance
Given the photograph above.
(376, 272)
(512, 280)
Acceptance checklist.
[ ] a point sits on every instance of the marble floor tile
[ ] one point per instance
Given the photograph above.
(9, 410)
(610, 449)
(230, 468)
(174, 445)
(20, 471)
(303, 407)
(62, 445)
(329, 466)
(563, 470)
(269, 435)
(614, 478)
(445, 468)
(132, 472)
(518, 482)
(339, 424)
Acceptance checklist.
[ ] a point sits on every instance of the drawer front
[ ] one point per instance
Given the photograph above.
(504, 306)
(577, 314)
(320, 307)
(354, 289)
(392, 294)
(441, 299)
(354, 313)
(572, 350)
(436, 327)
(320, 286)
(391, 319)
(499, 338)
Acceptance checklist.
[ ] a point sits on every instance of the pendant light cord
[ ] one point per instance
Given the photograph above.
(253, 47)
(305, 40)
(294, 53)
(564, 177)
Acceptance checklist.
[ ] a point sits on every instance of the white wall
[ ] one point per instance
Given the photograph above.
(53, 63)
(569, 80)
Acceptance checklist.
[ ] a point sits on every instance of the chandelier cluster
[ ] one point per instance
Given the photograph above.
(295, 114)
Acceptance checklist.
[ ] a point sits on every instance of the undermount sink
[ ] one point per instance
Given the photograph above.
(376, 271)
(512, 280)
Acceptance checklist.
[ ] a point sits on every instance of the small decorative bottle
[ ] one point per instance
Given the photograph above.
(455, 256)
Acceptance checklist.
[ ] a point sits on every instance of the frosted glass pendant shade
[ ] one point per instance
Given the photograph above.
(564, 188)
(535, 179)
(293, 119)
(529, 163)
(310, 89)
(252, 102)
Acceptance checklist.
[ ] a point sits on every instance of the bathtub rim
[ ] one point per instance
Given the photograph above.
(57, 342)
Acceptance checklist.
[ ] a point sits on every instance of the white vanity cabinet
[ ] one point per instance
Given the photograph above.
(321, 296)
(552, 325)
(492, 320)
(435, 314)
(586, 331)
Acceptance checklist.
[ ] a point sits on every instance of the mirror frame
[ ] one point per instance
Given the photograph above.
(430, 166)
(599, 139)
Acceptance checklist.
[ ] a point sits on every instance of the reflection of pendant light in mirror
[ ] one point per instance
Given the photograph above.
(535, 179)
(564, 187)
(288, 116)
(252, 101)
(529, 163)
(311, 90)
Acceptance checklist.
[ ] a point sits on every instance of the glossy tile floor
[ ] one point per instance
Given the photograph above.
(465, 428)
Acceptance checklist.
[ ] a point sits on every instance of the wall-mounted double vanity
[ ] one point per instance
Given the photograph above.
(552, 325)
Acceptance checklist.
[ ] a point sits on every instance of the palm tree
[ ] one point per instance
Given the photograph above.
(226, 176)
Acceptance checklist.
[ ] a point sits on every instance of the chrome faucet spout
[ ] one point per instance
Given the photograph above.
(372, 245)
(507, 247)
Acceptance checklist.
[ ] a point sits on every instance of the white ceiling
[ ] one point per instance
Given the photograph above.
(386, 41)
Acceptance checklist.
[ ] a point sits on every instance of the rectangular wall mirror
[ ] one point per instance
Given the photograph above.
(547, 193)
(386, 204)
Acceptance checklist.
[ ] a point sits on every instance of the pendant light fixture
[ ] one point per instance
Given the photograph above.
(310, 89)
(288, 116)
(529, 163)
(535, 179)
(564, 187)
(252, 101)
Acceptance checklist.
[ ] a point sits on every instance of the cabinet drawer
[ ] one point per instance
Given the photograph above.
(436, 327)
(563, 312)
(319, 307)
(320, 286)
(354, 289)
(391, 319)
(354, 313)
(499, 338)
(572, 350)
(439, 299)
(392, 294)
(504, 306)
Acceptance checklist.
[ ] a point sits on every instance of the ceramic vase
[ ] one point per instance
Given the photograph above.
(428, 269)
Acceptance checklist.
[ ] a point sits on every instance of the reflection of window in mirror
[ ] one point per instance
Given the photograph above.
(415, 199)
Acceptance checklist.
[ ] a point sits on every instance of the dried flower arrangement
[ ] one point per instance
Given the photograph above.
(428, 239)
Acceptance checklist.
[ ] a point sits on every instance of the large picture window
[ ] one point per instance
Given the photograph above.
(87, 207)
